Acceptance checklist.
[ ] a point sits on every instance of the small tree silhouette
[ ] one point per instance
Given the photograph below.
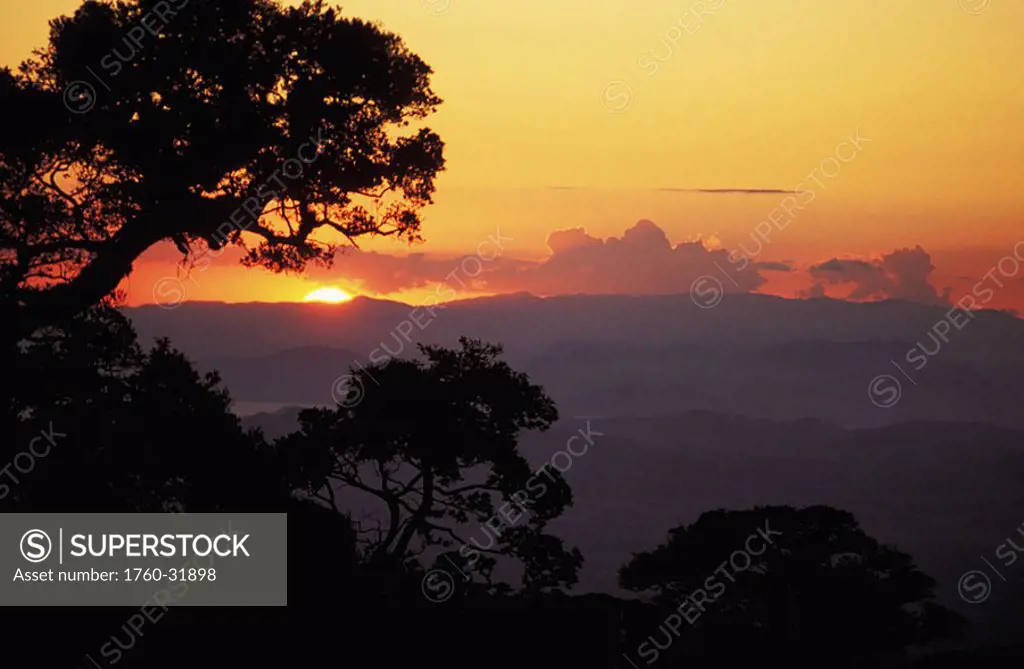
(435, 443)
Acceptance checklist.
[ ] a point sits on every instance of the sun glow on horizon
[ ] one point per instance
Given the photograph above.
(329, 295)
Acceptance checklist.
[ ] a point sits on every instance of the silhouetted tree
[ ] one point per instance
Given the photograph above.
(213, 117)
(128, 429)
(809, 587)
(434, 443)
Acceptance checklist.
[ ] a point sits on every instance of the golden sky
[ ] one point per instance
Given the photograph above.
(574, 114)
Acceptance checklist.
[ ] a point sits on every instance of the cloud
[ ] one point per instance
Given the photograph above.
(816, 290)
(848, 267)
(709, 191)
(382, 273)
(732, 191)
(900, 275)
(371, 272)
(641, 261)
(773, 266)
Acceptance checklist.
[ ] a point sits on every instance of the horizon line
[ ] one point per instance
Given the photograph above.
(525, 294)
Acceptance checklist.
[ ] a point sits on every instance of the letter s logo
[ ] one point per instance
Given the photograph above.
(36, 546)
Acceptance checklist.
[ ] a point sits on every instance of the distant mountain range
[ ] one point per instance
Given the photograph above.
(527, 323)
(752, 355)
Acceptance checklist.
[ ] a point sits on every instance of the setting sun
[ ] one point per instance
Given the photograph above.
(329, 295)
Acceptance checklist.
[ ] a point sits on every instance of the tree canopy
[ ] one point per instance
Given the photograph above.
(288, 131)
(809, 584)
(443, 466)
(94, 422)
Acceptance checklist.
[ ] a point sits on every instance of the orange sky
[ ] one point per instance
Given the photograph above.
(619, 99)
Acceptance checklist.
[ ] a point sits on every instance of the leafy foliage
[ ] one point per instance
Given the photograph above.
(288, 131)
(434, 442)
(134, 430)
(820, 589)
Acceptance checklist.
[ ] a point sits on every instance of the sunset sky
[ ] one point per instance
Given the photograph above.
(600, 114)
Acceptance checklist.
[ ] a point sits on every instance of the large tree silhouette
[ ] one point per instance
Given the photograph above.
(434, 443)
(821, 592)
(210, 118)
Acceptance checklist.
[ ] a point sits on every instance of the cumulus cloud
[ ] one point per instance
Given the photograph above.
(641, 261)
(900, 275)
